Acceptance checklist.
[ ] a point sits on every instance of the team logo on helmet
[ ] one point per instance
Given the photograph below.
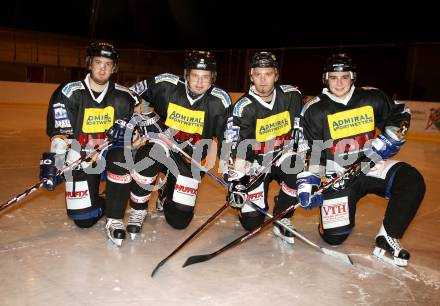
(337, 63)
(202, 60)
(264, 59)
(105, 49)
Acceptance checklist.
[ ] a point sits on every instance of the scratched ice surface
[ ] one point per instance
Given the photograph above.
(46, 260)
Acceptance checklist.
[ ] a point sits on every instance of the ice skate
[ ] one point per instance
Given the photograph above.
(284, 234)
(135, 220)
(389, 250)
(115, 231)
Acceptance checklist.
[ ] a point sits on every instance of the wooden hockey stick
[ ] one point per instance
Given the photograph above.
(40, 184)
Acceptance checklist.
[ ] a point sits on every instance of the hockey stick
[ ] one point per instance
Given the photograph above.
(201, 258)
(354, 170)
(338, 255)
(341, 256)
(173, 146)
(207, 222)
(255, 178)
(40, 184)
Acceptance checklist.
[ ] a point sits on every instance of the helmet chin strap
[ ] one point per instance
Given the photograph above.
(190, 93)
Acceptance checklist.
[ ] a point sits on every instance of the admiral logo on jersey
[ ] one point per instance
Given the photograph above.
(273, 126)
(185, 120)
(98, 120)
(352, 122)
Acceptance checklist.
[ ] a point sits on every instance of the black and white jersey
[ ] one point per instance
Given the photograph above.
(343, 128)
(75, 113)
(194, 119)
(269, 125)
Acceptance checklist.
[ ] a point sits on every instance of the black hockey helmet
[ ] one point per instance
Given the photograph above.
(339, 62)
(264, 59)
(202, 60)
(105, 49)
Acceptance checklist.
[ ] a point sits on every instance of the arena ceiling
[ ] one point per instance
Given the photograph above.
(180, 24)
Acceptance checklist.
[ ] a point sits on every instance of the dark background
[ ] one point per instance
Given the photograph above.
(396, 46)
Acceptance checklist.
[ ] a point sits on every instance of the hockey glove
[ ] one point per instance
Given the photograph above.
(48, 171)
(385, 145)
(116, 134)
(237, 192)
(149, 124)
(307, 183)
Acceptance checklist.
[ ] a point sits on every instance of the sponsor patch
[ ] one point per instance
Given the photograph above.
(118, 179)
(59, 111)
(70, 88)
(62, 124)
(273, 126)
(60, 116)
(185, 190)
(256, 196)
(287, 190)
(78, 198)
(334, 213)
(351, 122)
(232, 131)
(222, 95)
(167, 77)
(288, 88)
(240, 105)
(98, 120)
(184, 119)
(143, 180)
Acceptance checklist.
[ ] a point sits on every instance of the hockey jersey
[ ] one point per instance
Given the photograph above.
(193, 119)
(343, 128)
(75, 113)
(269, 126)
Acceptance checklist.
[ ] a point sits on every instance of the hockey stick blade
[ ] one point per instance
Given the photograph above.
(207, 222)
(198, 258)
(201, 258)
(338, 255)
(160, 264)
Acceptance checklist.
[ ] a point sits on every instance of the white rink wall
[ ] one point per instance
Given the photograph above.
(34, 97)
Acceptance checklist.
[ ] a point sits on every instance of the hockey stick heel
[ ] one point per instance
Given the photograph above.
(197, 258)
(201, 258)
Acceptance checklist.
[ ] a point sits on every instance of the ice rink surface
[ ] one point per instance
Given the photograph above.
(46, 260)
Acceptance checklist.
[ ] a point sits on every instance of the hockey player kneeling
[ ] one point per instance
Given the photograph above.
(82, 115)
(268, 115)
(347, 117)
(196, 111)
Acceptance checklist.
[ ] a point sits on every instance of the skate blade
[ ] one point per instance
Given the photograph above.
(116, 242)
(159, 207)
(133, 236)
(395, 261)
(288, 240)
